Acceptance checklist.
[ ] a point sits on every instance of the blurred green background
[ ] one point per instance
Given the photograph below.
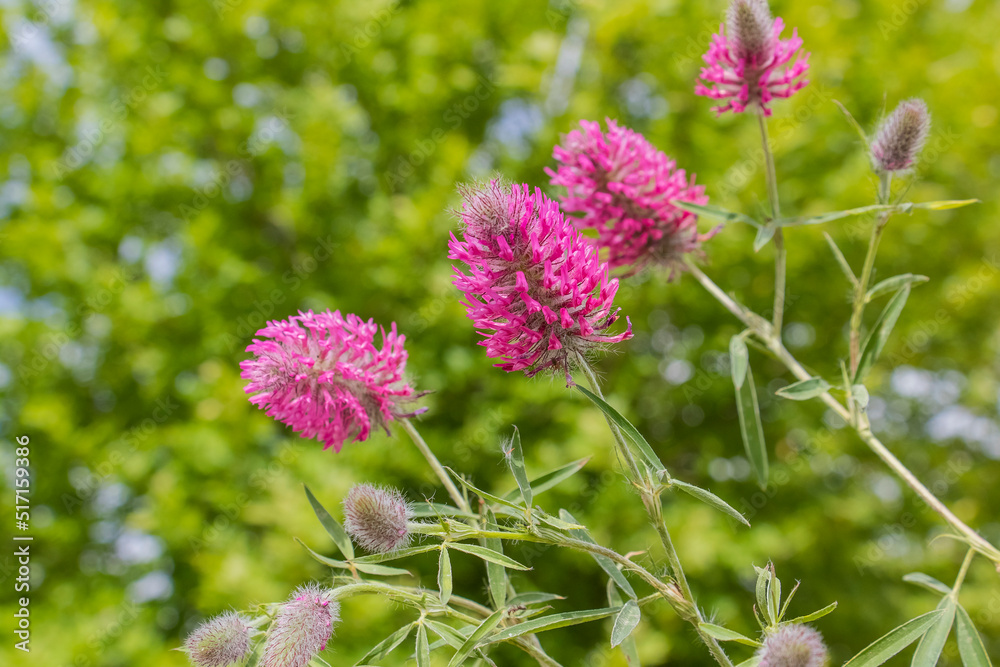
(171, 173)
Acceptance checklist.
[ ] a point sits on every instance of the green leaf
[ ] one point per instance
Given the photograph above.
(859, 393)
(625, 622)
(751, 429)
(750, 662)
(425, 510)
(380, 570)
(450, 635)
(550, 479)
(340, 564)
(764, 235)
(423, 650)
(739, 359)
(931, 644)
(385, 647)
(488, 555)
(606, 563)
(515, 459)
(926, 581)
(804, 389)
(774, 596)
(399, 553)
(709, 498)
(841, 260)
(890, 285)
(496, 575)
(533, 597)
(627, 646)
(547, 518)
(484, 628)
(550, 622)
(894, 641)
(725, 634)
(857, 126)
(483, 494)
(906, 207)
(332, 526)
(715, 213)
(626, 427)
(878, 336)
(970, 644)
(763, 578)
(444, 575)
(816, 615)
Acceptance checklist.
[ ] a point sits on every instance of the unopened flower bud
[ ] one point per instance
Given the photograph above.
(219, 642)
(302, 628)
(793, 646)
(376, 518)
(901, 136)
(750, 29)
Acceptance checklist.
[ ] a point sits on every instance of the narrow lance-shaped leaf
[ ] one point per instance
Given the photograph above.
(816, 615)
(927, 581)
(515, 459)
(739, 360)
(626, 428)
(625, 622)
(444, 575)
(751, 428)
(970, 644)
(496, 575)
(932, 643)
(841, 260)
(550, 479)
(892, 284)
(627, 646)
(857, 126)
(533, 597)
(876, 340)
(715, 213)
(709, 498)
(805, 389)
(483, 494)
(385, 647)
(905, 207)
(488, 555)
(481, 631)
(425, 510)
(725, 634)
(894, 641)
(332, 526)
(550, 622)
(393, 555)
(423, 651)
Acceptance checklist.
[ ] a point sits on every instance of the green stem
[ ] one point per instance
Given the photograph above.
(779, 239)
(960, 579)
(857, 420)
(651, 501)
(436, 466)
(861, 288)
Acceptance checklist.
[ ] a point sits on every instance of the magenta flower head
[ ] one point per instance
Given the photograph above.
(322, 374)
(376, 518)
(901, 136)
(219, 642)
(624, 187)
(748, 64)
(302, 628)
(535, 288)
(793, 646)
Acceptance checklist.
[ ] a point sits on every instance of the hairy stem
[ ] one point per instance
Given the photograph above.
(651, 501)
(861, 288)
(858, 420)
(779, 238)
(435, 465)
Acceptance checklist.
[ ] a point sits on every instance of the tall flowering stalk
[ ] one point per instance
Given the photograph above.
(625, 189)
(323, 375)
(535, 286)
(748, 64)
